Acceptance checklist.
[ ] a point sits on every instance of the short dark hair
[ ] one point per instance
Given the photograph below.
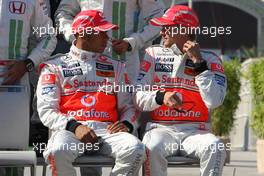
(192, 37)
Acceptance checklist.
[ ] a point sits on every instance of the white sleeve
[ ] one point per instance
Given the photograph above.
(48, 100)
(212, 83)
(64, 16)
(143, 98)
(47, 40)
(126, 107)
(148, 10)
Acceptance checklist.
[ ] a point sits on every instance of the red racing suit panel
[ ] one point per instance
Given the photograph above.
(83, 106)
(193, 108)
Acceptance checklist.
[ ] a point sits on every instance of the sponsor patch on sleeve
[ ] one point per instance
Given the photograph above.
(220, 79)
(47, 90)
(217, 68)
(145, 66)
(141, 76)
(48, 79)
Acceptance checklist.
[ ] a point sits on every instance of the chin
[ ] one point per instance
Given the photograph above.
(166, 45)
(101, 50)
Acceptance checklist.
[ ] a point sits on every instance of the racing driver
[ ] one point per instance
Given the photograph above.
(75, 101)
(132, 16)
(192, 83)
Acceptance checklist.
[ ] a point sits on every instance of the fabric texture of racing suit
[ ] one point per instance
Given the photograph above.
(77, 86)
(131, 16)
(184, 131)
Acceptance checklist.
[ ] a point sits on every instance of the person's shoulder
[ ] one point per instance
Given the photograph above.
(214, 63)
(154, 47)
(58, 58)
(210, 56)
(54, 61)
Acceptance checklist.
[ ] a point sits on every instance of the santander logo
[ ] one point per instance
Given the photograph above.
(88, 100)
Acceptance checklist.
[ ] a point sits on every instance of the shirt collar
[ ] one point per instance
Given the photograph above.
(176, 50)
(82, 54)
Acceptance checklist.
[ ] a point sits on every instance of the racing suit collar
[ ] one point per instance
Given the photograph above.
(82, 54)
(176, 50)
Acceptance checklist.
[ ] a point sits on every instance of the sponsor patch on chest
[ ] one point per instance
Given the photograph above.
(163, 67)
(72, 72)
(105, 67)
(70, 66)
(105, 73)
(17, 7)
(164, 59)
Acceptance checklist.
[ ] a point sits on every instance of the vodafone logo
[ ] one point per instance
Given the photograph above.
(88, 100)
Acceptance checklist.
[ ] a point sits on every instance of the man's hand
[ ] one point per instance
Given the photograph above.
(120, 46)
(16, 71)
(171, 99)
(117, 127)
(192, 49)
(85, 134)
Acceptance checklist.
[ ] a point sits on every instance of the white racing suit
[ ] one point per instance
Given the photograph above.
(78, 86)
(18, 21)
(131, 16)
(185, 130)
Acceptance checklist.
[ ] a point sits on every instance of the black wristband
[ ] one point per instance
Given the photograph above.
(160, 97)
(200, 67)
(72, 125)
(29, 64)
(129, 48)
(129, 126)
